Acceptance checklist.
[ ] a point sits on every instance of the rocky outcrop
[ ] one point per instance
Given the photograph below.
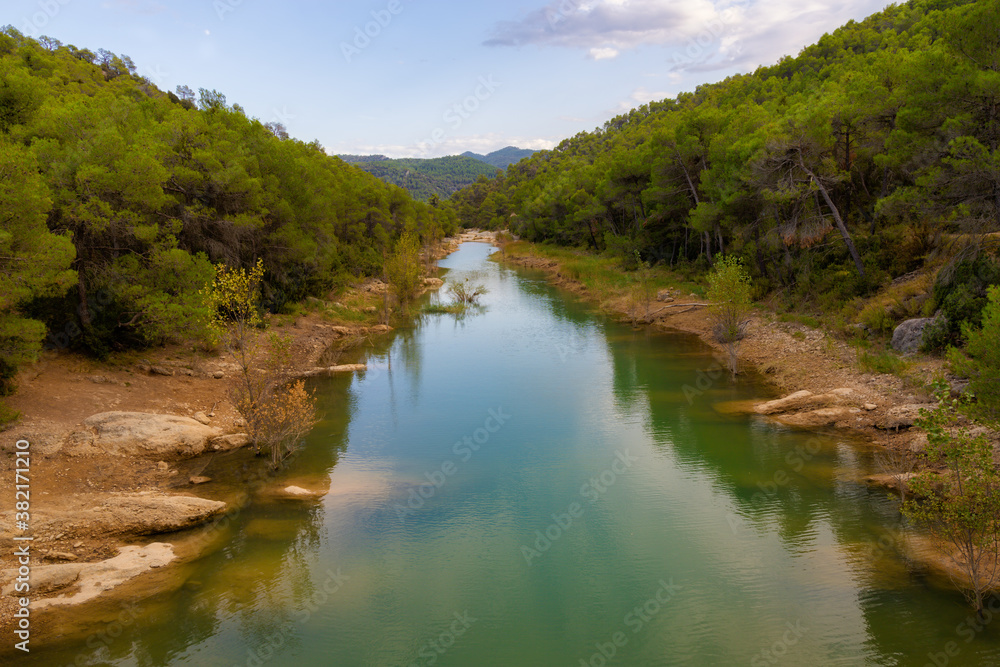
(909, 336)
(88, 580)
(228, 443)
(817, 418)
(804, 400)
(150, 514)
(140, 434)
(901, 416)
(127, 514)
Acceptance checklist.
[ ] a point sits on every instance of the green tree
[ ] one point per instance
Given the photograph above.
(980, 361)
(961, 506)
(33, 261)
(730, 292)
(278, 411)
(403, 269)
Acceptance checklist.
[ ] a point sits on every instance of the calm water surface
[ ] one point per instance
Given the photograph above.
(535, 485)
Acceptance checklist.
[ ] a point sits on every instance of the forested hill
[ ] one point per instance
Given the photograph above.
(117, 198)
(502, 158)
(831, 173)
(424, 179)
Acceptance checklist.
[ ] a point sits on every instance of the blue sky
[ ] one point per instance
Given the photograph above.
(424, 78)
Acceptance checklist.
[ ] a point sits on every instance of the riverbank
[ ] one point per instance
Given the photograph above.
(792, 357)
(89, 507)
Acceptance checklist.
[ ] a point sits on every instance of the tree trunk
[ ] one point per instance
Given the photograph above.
(84, 309)
(836, 216)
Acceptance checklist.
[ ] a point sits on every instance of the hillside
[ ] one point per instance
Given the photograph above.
(424, 178)
(502, 158)
(869, 156)
(118, 201)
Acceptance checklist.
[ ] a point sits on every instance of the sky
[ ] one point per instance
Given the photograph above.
(426, 78)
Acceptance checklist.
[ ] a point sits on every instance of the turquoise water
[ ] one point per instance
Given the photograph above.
(535, 485)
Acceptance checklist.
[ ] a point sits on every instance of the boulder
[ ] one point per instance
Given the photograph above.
(804, 400)
(902, 416)
(152, 436)
(817, 418)
(910, 335)
(229, 443)
(299, 492)
(92, 579)
(149, 514)
(44, 578)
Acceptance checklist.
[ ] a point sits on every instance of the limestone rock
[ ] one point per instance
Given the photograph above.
(201, 417)
(45, 578)
(910, 335)
(299, 492)
(902, 416)
(161, 370)
(198, 479)
(152, 436)
(228, 443)
(804, 400)
(816, 418)
(150, 514)
(92, 579)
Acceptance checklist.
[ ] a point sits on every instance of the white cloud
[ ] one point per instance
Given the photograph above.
(603, 53)
(699, 35)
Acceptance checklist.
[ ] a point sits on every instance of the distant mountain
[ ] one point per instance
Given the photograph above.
(502, 158)
(355, 159)
(424, 178)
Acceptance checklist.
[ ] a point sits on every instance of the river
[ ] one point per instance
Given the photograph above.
(536, 485)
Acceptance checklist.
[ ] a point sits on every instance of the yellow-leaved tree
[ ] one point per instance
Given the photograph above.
(278, 411)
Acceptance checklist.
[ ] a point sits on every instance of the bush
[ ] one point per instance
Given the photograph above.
(960, 293)
(729, 290)
(881, 362)
(403, 269)
(980, 361)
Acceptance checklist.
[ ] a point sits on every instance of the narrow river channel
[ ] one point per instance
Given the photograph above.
(536, 485)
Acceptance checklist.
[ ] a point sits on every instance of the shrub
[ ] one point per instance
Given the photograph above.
(729, 290)
(980, 361)
(960, 293)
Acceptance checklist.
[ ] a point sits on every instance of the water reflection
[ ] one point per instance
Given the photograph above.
(761, 528)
